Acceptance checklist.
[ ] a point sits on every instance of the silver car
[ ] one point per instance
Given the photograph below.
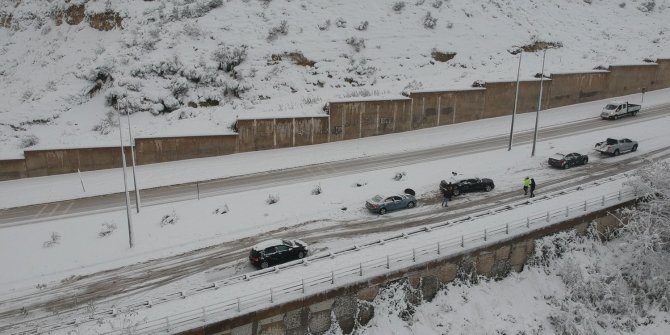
(380, 204)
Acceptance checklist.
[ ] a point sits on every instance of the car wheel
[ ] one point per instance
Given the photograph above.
(586, 160)
(487, 188)
(566, 165)
(301, 255)
(382, 211)
(616, 152)
(264, 265)
(410, 204)
(634, 148)
(456, 191)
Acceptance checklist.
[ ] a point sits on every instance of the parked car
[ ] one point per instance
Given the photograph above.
(380, 204)
(617, 109)
(614, 147)
(469, 185)
(277, 251)
(567, 161)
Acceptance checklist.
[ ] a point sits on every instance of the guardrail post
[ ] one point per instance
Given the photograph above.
(332, 277)
(462, 242)
(485, 234)
(506, 228)
(548, 216)
(360, 269)
(303, 285)
(603, 202)
(413, 255)
(619, 195)
(167, 324)
(197, 187)
(272, 298)
(584, 205)
(438, 248)
(527, 222)
(388, 262)
(238, 305)
(635, 192)
(204, 315)
(567, 211)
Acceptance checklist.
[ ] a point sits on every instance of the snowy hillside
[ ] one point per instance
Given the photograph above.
(194, 66)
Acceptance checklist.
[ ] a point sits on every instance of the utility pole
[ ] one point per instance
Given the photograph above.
(644, 89)
(539, 104)
(516, 99)
(125, 183)
(132, 153)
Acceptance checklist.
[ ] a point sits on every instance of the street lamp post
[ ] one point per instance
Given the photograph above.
(539, 104)
(132, 153)
(125, 184)
(516, 98)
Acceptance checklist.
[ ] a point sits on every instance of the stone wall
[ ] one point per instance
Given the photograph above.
(59, 161)
(165, 149)
(13, 169)
(351, 307)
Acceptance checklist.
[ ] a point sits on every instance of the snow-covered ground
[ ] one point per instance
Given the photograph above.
(29, 263)
(37, 190)
(174, 52)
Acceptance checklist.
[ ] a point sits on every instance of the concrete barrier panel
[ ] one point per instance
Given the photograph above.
(165, 149)
(245, 135)
(573, 88)
(59, 161)
(500, 97)
(303, 131)
(264, 134)
(13, 169)
(283, 133)
(424, 114)
(662, 74)
(321, 130)
(630, 79)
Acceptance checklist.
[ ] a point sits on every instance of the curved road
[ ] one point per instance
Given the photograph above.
(161, 195)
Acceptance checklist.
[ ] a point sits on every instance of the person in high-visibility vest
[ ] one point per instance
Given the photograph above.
(526, 184)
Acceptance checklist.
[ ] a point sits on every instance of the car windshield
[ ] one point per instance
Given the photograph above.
(287, 242)
(611, 106)
(558, 156)
(377, 198)
(612, 141)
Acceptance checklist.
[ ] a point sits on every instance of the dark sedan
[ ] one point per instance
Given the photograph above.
(567, 161)
(277, 251)
(469, 185)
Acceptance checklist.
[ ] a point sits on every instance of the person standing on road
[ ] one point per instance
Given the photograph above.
(526, 183)
(445, 199)
(532, 187)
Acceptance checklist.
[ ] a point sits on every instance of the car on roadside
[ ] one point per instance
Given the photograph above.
(381, 205)
(567, 161)
(469, 185)
(615, 147)
(277, 251)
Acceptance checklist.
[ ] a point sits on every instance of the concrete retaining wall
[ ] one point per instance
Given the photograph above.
(358, 118)
(350, 306)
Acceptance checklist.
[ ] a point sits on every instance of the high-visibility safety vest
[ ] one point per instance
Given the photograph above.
(526, 182)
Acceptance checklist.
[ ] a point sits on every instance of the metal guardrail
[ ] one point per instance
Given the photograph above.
(223, 309)
(226, 308)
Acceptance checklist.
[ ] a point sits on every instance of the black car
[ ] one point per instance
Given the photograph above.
(567, 161)
(277, 251)
(469, 185)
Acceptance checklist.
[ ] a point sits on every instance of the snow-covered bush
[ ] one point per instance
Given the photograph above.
(399, 175)
(316, 190)
(398, 6)
(55, 239)
(363, 26)
(179, 87)
(272, 199)
(412, 86)
(192, 29)
(647, 6)
(429, 22)
(324, 26)
(107, 229)
(107, 123)
(29, 141)
(169, 219)
(437, 4)
(221, 210)
(274, 32)
(228, 57)
(356, 43)
(340, 23)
